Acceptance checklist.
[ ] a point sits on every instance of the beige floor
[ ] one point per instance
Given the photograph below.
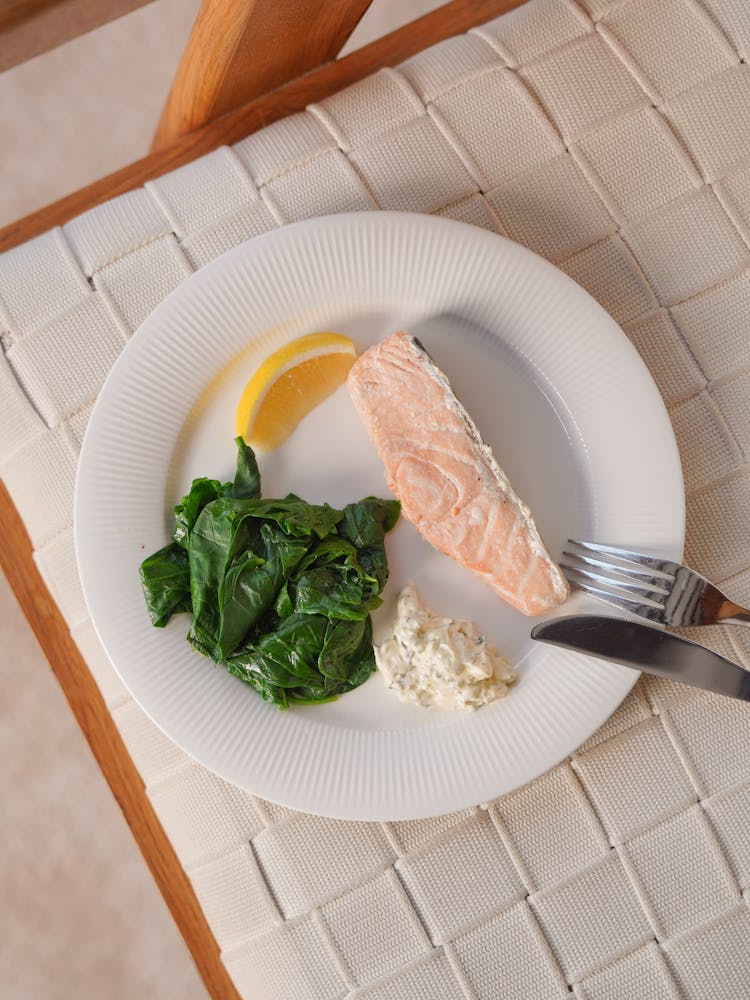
(81, 111)
(80, 916)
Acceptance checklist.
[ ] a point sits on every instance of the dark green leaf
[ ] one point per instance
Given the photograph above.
(330, 550)
(296, 517)
(340, 646)
(334, 591)
(209, 552)
(283, 603)
(280, 590)
(165, 577)
(366, 522)
(244, 598)
(202, 492)
(311, 694)
(252, 584)
(288, 656)
(246, 484)
(362, 661)
(267, 691)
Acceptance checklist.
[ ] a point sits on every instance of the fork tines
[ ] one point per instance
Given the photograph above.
(627, 579)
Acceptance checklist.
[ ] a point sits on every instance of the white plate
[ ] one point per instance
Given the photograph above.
(556, 389)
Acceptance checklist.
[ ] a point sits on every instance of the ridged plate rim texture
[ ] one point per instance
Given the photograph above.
(357, 260)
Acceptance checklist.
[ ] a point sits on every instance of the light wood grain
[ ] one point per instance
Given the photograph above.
(106, 744)
(30, 27)
(453, 18)
(241, 49)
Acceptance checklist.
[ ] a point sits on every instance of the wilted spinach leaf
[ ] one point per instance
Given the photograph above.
(246, 485)
(165, 577)
(280, 590)
(365, 525)
(340, 645)
(253, 582)
(202, 492)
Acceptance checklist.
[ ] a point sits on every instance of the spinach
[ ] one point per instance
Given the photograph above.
(165, 578)
(246, 486)
(341, 646)
(280, 591)
(365, 525)
(252, 584)
(186, 512)
(246, 483)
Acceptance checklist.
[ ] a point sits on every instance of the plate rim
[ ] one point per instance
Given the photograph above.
(624, 683)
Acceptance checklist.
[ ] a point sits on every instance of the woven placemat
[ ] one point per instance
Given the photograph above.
(614, 138)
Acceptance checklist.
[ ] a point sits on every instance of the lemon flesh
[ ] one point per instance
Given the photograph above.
(289, 384)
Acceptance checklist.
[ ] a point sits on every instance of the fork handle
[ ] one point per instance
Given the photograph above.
(730, 613)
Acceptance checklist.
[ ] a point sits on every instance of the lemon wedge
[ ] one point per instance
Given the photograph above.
(290, 383)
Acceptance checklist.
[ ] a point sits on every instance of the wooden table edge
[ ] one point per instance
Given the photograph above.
(97, 725)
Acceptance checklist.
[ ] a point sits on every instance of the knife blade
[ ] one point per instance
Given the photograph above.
(646, 648)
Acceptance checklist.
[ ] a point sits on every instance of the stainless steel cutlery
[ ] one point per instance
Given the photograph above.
(656, 589)
(662, 593)
(648, 648)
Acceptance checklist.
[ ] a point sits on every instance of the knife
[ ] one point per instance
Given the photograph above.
(646, 648)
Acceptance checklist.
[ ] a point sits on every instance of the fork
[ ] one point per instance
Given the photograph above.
(656, 589)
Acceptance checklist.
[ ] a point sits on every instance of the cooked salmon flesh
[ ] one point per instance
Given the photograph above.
(447, 479)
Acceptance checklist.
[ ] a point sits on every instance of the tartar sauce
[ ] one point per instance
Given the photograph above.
(444, 662)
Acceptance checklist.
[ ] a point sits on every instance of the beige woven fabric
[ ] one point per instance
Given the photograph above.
(613, 137)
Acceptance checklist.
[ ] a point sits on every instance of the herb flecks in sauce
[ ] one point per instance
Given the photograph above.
(448, 663)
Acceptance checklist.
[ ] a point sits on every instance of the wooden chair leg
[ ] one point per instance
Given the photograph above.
(241, 49)
(452, 19)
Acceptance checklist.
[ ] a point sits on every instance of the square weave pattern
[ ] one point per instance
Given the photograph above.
(612, 136)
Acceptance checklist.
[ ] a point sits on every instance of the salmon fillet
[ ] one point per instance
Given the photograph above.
(447, 479)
